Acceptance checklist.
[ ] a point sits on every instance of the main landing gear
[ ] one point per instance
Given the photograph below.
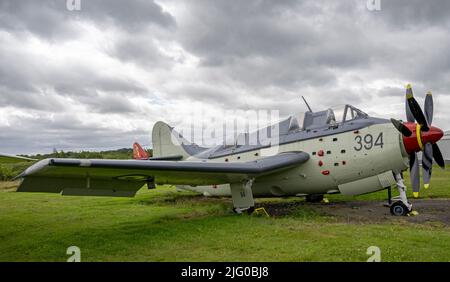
(242, 196)
(399, 205)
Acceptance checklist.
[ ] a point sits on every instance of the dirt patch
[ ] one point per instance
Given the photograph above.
(8, 186)
(430, 211)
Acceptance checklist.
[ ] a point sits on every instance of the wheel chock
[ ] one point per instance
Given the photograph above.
(413, 213)
(261, 211)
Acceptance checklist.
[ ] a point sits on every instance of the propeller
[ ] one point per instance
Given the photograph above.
(419, 135)
(401, 127)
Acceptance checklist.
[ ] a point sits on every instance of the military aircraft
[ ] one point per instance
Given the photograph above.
(352, 154)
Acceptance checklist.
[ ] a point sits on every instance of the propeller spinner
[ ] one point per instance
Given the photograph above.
(420, 136)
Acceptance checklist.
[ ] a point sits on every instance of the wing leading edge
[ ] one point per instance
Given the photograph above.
(125, 177)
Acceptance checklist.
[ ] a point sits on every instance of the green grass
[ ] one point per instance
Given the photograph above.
(165, 225)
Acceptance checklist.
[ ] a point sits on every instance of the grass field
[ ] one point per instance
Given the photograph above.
(165, 225)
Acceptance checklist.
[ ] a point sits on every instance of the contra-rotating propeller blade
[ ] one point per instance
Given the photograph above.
(409, 93)
(427, 164)
(428, 107)
(437, 155)
(401, 127)
(414, 174)
(417, 112)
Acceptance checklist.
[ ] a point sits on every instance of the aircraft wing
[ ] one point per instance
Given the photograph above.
(6, 158)
(125, 177)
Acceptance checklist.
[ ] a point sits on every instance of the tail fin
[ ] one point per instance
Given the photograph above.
(164, 137)
(139, 153)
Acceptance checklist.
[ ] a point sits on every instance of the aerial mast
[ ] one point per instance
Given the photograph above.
(304, 100)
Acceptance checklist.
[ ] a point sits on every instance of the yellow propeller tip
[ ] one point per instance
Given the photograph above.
(409, 96)
(429, 93)
(408, 86)
(416, 194)
(426, 186)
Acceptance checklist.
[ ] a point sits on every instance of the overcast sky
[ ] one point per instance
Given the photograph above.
(100, 77)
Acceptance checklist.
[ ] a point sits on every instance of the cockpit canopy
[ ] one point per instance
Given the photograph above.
(332, 116)
(311, 120)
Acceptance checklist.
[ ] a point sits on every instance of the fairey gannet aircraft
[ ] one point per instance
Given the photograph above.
(353, 155)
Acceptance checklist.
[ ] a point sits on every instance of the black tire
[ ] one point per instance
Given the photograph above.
(399, 209)
(251, 210)
(314, 198)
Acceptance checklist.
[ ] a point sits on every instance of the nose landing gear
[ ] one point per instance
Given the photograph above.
(400, 207)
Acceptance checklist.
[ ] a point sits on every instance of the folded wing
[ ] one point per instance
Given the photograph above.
(6, 158)
(125, 177)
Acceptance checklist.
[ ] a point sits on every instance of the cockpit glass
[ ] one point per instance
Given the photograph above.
(343, 113)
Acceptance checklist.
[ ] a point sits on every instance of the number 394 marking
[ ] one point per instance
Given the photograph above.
(367, 142)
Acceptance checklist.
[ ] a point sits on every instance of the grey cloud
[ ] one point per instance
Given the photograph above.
(27, 81)
(265, 43)
(405, 14)
(46, 19)
(37, 100)
(142, 51)
(51, 19)
(130, 15)
(63, 132)
(107, 104)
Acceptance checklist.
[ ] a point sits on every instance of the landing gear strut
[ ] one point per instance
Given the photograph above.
(249, 210)
(400, 207)
(242, 196)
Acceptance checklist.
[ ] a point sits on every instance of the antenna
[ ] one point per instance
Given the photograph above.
(304, 100)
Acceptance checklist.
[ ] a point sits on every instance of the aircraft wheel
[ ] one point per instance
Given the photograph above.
(399, 209)
(314, 198)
